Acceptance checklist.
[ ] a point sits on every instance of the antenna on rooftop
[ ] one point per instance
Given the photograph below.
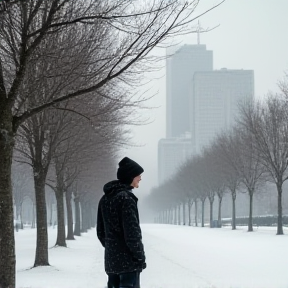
(199, 29)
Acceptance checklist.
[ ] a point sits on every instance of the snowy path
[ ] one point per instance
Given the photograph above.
(222, 258)
(170, 260)
(177, 257)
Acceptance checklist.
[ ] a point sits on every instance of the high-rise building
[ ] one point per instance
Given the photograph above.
(200, 103)
(216, 99)
(172, 152)
(180, 68)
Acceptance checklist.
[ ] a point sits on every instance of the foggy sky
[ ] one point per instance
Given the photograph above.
(252, 34)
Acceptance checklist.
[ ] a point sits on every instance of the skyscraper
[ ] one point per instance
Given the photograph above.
(216, 99)
(180, 68)
(172, 152)
(200, 103)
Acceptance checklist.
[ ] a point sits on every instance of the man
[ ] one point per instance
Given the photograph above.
(118, 227)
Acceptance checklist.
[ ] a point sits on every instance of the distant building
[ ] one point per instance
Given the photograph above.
(216, 97)
(180, 69)
(172, 152)
(200, 103)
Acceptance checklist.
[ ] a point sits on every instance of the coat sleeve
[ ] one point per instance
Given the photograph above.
(100, 225)
(132, 230)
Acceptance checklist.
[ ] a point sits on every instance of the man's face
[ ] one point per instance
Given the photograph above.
(135, 182)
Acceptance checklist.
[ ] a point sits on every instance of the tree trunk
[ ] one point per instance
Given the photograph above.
(84, 217)
(7, 242)
(21, 216)
(184, 214)
(233, 211)
(170, 216)
(211, 201)
(68, 197)
(60, 218)
(250, 220)
(279, 223)
(77, 227)
(179, 214)
(175, 215)
(41, 257)
(18, 214)
(190, 203)
(196, 213)
(219, 224)
(166, 220)
(91, 216)
(202, 212)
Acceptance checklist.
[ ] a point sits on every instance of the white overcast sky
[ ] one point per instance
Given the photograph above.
(252, 34)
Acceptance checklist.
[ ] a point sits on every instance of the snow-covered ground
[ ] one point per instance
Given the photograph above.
(177, 257)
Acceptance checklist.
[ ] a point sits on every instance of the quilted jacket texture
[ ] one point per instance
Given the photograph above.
(118, 229)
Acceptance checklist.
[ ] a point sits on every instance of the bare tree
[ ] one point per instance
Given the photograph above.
(184, 180)
(249, 166)
(210, 183)
(215, 181)
(194, 186)
(182, 191)
(41, 135)
(219, 187)
(268, 123)
(68, 198)
(77, 226)
(164, 198)
(22, 188)
(239, 151)
(227, 157)
(198, 179)
(79, 144)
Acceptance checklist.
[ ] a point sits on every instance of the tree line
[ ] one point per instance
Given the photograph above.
(68, 75)
(244, 158)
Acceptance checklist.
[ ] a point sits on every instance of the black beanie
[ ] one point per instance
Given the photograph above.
(128, 170)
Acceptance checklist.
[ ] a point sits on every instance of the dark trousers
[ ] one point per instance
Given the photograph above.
(124, 280)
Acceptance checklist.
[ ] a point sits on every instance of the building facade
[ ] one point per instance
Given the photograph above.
(180, 69)
(172, 152)
(215, 102)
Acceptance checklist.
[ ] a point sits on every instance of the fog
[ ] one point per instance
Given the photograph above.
(247, 35)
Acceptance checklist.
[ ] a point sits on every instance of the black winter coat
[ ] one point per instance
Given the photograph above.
(118, 229)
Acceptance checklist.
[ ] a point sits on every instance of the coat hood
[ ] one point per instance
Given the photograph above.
(115, 186)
